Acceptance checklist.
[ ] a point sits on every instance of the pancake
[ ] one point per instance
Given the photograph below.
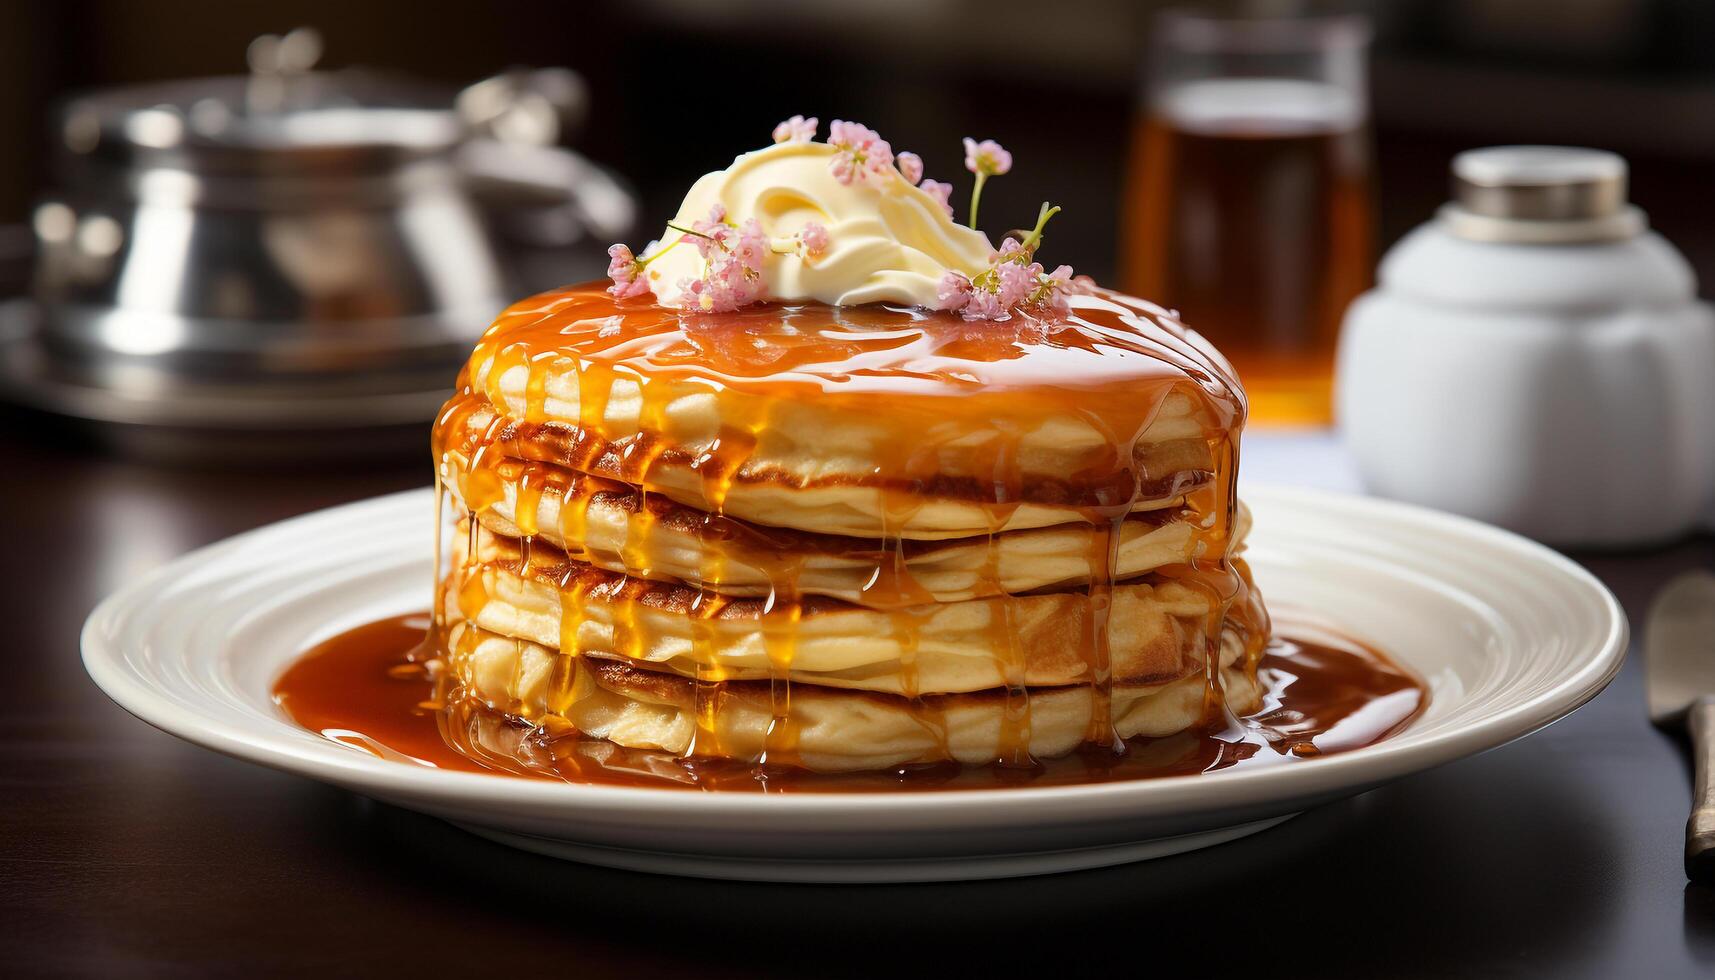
(930, 508)
(1154, 631)
(616, 527)
(870, 422)
(829, 730)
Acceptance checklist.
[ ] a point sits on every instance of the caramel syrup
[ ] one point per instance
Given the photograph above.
(371, 688)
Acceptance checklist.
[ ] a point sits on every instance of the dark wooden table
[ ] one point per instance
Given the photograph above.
(125, 852)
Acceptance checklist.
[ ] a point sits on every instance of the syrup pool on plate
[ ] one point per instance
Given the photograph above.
(372, 688)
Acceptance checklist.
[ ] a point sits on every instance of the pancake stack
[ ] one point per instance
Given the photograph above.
(844, 538)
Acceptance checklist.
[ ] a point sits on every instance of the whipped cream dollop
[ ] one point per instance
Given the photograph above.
(888, 241)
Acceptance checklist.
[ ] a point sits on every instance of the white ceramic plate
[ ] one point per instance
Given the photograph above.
(1510, 636)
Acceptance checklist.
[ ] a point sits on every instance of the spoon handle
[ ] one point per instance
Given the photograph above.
(1700, 829)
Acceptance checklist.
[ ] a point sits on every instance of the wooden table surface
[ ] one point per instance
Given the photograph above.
(126, 852)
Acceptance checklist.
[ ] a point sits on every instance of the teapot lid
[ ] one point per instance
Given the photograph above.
(281, 119)
(1542, 195)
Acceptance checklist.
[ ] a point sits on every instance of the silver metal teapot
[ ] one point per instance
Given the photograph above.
(295, 249)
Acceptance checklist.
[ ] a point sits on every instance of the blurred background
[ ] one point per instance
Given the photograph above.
(1059, 85)
(1261, 242)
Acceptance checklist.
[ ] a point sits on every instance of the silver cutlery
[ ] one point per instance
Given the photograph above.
(1679, 661)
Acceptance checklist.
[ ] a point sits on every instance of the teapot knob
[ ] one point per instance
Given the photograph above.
(277, 61)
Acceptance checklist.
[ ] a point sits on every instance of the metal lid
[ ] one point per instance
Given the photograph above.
(280, 119)
(1541, 194)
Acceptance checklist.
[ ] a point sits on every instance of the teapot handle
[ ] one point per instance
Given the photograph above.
(562, 195)
(515, 160)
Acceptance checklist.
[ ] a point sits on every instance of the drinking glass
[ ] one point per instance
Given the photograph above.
(1249, 205)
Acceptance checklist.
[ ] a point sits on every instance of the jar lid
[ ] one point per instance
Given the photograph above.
(1541, 194)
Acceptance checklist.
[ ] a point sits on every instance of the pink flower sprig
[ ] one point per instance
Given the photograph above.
(1012, 281)
(910, 167)
(732, 263)
(798, 129)
(941, 191)
(626, 271)
(813, 240)
(810, 242)
(859, 152)
(986, 159)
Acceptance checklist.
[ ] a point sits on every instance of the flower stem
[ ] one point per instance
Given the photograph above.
(976, 195)
(684, 233)
(1032, 240)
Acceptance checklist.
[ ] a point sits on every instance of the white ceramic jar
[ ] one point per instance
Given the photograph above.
(1535, 358)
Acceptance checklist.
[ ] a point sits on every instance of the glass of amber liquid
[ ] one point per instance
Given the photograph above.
(1249, 198)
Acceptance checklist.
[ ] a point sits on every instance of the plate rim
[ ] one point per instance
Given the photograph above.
(1364, 767)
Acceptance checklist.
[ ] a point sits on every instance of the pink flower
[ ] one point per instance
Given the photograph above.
(1014, 282)
(984, 305)
(910, 166)
(796, 130)
(621, 262)
(738, 289)
(953, 291)
(751, 246)
(1006, 286)
(712, 234)
(986, 158)
(1057, 286)
(859, 152)
(714, 239)
(814, 238)
(733, 257)
(843, 133)
(697, 294)
(722, 289)
(626, 272)
(941, 192)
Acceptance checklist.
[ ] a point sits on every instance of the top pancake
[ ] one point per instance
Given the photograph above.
(867, 421)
